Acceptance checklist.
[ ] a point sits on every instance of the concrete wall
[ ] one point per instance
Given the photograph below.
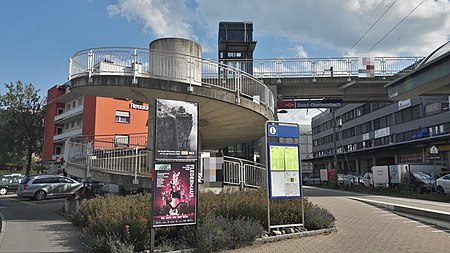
(176, 59)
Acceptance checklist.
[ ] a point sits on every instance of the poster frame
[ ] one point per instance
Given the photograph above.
(181, 158)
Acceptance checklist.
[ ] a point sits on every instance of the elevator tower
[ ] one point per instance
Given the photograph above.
(236, 45)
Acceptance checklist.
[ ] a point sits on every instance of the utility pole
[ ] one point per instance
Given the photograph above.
(333, 113)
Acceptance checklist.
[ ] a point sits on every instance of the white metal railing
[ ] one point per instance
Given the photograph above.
(76, 153)
(122, 160)
(135, 62)
(232, 173)
(133, 161)
(67, 134)
(243, 172)
(330, 67)
(69, 113)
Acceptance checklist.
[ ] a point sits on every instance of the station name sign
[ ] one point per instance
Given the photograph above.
(303, 104)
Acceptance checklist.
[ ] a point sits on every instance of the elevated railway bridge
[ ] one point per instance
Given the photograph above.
(233, 105)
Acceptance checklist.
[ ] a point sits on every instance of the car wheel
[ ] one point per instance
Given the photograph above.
(3, 191)
(40, 195)
(440, 189)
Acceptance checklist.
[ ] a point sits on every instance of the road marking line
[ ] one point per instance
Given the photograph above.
(390, 214)
(379, 211)
(440, 231)
(422, 226)
(398, 218)
(410, 221)
(28, 203)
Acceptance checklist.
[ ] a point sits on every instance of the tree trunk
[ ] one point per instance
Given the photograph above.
(29, 154)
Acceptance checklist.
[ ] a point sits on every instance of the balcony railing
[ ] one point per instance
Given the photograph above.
(68, 114)
(67, 134)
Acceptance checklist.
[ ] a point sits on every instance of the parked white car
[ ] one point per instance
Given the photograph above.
(443, 184)
(368, 180)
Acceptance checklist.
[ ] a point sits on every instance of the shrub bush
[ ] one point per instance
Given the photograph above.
(216, 233)
(105, 243)
(245, 212)
(317, 217)
(127, 217)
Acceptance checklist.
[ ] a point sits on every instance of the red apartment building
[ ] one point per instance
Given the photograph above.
(72, 115)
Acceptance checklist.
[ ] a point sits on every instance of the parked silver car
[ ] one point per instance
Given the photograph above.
(42, 186)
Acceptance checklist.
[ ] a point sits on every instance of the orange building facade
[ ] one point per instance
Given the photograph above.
(77, 117)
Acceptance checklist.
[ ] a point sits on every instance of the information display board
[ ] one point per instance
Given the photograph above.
(284, 180)
(284, 174)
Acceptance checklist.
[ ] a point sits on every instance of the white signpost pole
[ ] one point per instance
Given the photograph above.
(434, 151)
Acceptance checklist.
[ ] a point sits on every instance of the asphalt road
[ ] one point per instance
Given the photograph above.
(34, 226)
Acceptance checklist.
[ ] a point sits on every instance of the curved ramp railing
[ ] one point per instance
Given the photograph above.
(135, 62)
(133, 161)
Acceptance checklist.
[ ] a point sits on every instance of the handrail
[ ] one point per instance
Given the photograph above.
(133, 161)
(135, 62)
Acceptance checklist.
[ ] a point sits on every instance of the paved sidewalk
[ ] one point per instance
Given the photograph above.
(363, 228)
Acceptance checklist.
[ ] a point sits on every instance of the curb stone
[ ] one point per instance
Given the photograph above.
(295, 235)
(2, 227)
(259, 241)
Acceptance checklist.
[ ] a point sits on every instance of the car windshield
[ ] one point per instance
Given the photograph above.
(421, 175)
(25, 180)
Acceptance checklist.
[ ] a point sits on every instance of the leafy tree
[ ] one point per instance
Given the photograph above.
(21, 123)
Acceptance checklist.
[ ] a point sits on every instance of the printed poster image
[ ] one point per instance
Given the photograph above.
(174, 195)
(176, 129)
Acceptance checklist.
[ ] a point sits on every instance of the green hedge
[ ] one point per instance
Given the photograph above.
(127, 219)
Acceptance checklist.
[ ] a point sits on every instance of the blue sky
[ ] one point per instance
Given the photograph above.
(38, 37)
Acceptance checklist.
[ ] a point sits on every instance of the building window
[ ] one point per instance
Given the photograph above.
(415, 112)
(122, 117)
(60, 111)
(121, 140)
(58, 150)
(59, 130)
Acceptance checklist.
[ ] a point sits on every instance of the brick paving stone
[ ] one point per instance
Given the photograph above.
(362, 228)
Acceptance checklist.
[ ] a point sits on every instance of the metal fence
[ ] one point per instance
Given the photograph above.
(329, 67)
(243, 172)
(123, 160)
(135, 62)
(133, 161)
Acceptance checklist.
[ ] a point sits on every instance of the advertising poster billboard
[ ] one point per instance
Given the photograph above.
(174, 194)
(176, 130)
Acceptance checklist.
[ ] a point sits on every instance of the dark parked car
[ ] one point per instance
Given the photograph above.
(422, 182)
(42, 186)
(9, 183)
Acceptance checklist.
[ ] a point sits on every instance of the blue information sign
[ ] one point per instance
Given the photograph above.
(282, 131)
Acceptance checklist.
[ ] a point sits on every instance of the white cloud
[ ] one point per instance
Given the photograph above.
(300, 52)
(162, 18)
(339, 24)
(332, 25)
(300, 116)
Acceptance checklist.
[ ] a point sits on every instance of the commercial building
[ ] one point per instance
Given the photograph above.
(383, 133)
(70, 115)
